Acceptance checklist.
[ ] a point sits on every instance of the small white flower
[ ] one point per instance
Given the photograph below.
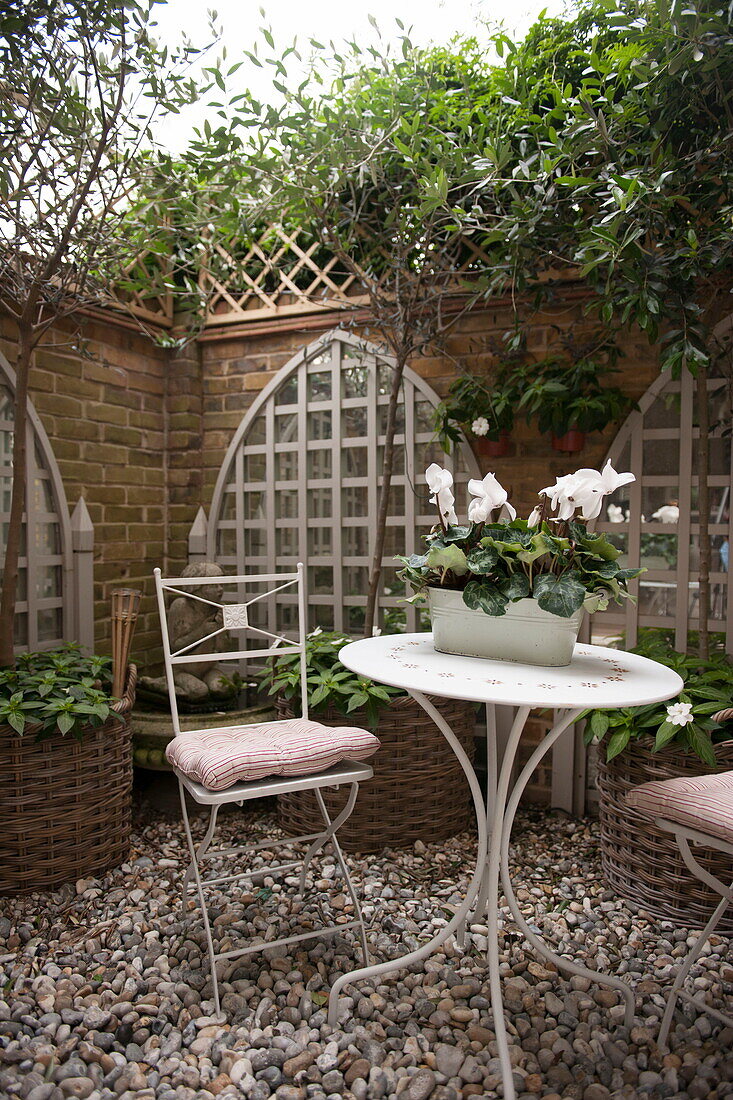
(615, 513)
(440, 482)
(680, 714)
(668, 513)
(534, 517)
(488, 494)
(376, 631)
(480, 426)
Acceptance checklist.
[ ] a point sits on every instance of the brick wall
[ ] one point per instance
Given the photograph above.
(235, 370)
(103, 412)
(141, 431)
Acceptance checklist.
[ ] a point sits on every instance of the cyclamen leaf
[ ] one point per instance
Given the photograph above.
(482, 559)
(563, 595)
(451, 558)
(484, 596)
(515, 587)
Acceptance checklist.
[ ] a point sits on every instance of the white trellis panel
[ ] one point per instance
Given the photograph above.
(659, 443)
(45, 606)
(301, 478)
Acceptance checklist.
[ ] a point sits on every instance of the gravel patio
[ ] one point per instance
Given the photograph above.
(105, 992)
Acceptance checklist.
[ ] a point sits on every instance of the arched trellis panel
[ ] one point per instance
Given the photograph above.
(44, 609)
(655, 520)
(301, 479)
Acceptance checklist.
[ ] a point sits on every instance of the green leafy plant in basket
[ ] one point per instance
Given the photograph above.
(329, 683)
(56, 691)
(687, 722)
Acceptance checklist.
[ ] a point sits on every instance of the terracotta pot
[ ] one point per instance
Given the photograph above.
(494, 448)
(572, 442)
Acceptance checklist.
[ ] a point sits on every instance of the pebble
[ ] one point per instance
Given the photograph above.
(106, 992)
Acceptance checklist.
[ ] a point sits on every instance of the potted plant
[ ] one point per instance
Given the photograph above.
(686, 737)
(65, 769)
(483, 412)
(414, 761)
(568, 399)
(515, 589)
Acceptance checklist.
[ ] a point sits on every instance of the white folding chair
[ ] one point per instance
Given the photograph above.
(698, 811)
(235, 617)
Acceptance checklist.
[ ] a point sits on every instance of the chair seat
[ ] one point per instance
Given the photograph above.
(347, 771)
(221, 757)
(702, 802)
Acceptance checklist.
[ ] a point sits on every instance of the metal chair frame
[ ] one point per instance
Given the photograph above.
(235, 618)
(686, 836)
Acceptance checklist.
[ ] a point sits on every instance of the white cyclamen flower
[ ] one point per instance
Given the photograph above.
(668, 513)
(534, 517)
(487, 495)
(480, 426)
(584, 491)
(440, 483)
(615, 513)
(680, 714)
(566, 495)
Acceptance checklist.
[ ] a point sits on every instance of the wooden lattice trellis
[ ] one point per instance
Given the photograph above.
(283, 272)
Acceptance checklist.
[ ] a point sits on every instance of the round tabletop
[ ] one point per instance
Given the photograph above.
(596, 676)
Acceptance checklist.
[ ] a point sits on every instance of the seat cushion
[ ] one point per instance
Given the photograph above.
(217, 758)
(702, 802)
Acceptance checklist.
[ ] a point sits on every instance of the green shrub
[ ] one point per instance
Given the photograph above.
(329, 682)
(708, 688)
(56, 691)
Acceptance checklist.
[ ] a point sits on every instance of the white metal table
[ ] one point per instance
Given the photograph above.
(596, 677)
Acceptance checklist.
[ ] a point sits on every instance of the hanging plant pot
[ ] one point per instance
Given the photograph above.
(494, 448)
(570, 443)
(524, 633)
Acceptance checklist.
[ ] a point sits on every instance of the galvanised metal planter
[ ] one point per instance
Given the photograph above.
(526, 633)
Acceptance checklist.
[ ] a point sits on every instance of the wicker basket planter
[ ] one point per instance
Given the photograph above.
(65, 804)
(418, 792)
(639, 861)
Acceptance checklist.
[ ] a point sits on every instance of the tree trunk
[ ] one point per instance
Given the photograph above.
(703, 510)
(375, 573)
(17, 501)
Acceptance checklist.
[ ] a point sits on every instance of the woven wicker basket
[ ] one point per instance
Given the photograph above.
(65, 805)
(418, 792)
(640, 861)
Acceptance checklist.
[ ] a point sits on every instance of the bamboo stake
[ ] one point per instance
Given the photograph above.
(125, 607)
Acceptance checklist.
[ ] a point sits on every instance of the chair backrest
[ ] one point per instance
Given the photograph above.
(233, 617)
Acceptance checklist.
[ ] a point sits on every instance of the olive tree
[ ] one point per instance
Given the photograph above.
(616, 163)
(81, 82)
(374, 156)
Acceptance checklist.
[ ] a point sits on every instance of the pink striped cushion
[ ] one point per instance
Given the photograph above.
(703, 802)
(218, 758)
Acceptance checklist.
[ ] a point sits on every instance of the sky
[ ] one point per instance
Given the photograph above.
(426, 21)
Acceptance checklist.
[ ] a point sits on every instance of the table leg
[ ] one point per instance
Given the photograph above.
(491, 782)
(491, 888)
(539, 945)
(459, 917)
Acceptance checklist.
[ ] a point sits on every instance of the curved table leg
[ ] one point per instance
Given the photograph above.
(539, 945)
(491, 889)
(428, 948)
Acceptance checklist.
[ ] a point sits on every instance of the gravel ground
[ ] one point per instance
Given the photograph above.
(105, 990)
